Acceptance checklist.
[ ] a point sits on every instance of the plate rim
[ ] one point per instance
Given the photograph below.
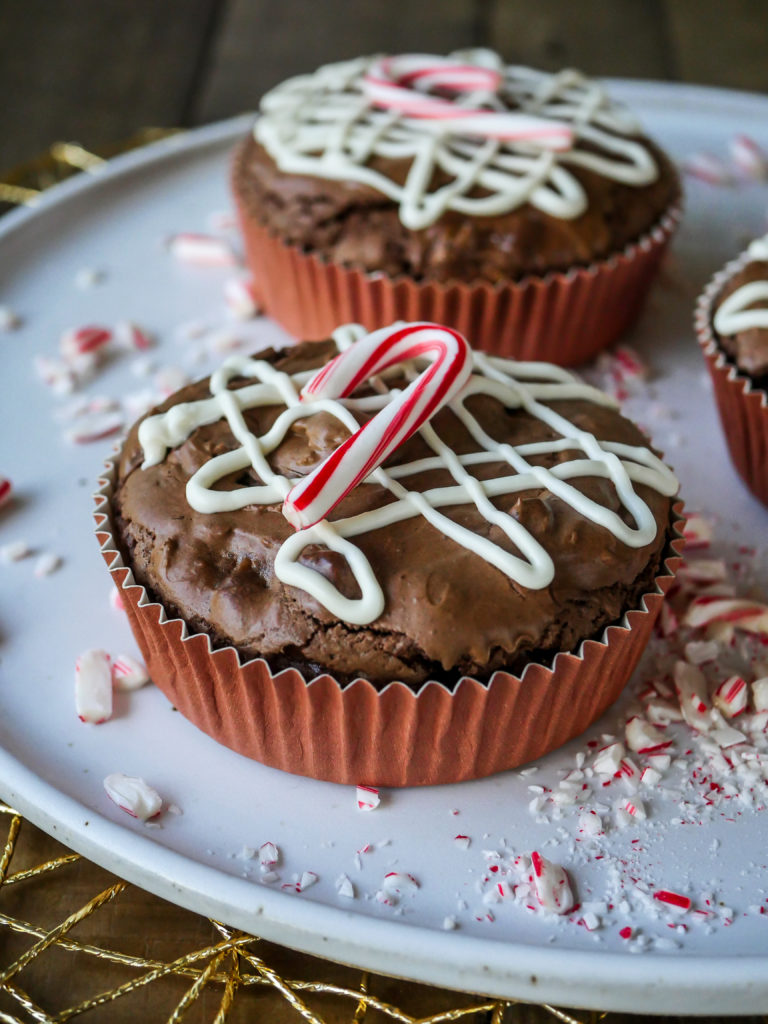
(498, 968)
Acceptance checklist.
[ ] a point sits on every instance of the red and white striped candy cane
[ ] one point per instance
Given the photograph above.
(396, 83)
(312, 498)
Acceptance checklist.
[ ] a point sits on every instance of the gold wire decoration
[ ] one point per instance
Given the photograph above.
(234, 964)
(232, 977)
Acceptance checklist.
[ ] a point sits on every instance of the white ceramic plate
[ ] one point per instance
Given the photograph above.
(52, 766)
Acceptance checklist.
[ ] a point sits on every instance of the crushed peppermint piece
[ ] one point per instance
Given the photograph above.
(56, 375)
(133, 795)
(247, 853)
(708, 168)
(368, 798)
(699, 652)
(551, 885)
(83, 341)
(116, 600)
(749, 159)
(88, 277)
(95, 427)
(698, 530)
(635, 808)
(673, 899)
(344, 887)
(15, 551)
(6, 490)
(463, 842)
(731, 696)
(46, 564)
(129, 335)
(308, 879)
(760, 694)
(727, 736)
(268, 877)
(691, 689)
(9, 320)
(93, 686)
(644, 738)
(608, 759)
(650, 777)
(269, 855)
(450, 923)
(749, 616)
(240, 298)
(201, 250)
(396, 883)
(128, 673)
(590, 823)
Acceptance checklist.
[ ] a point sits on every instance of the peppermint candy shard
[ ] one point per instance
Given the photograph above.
(201, 250)
(269, 855)
(6, 489)
(760, 694)
(368, 798)
(396, 883)
(551, 885)
(643, 738)
(673, 899)
(133, 795)
(345, 888)
(93, 686)
(128, 673)
(731, 696)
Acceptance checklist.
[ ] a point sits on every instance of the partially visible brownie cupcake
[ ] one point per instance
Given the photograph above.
(732, 327)
(564, 544)
(375, 214)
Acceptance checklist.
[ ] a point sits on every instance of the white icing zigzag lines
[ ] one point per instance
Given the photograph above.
(516, 385)
(324, 125)
(735, 314)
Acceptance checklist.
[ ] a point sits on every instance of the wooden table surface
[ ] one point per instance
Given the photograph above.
(95, 70)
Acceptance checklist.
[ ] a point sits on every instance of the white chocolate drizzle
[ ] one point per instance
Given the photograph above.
(325, 125)
(736, 313)
(514, 384)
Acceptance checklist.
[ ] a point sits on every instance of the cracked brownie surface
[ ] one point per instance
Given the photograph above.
(447, 611)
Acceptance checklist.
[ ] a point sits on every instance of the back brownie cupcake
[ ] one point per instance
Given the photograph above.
(481, 551)
(732, 327)
(525, 209)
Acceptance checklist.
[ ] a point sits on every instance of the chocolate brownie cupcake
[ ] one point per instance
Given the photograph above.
(422, 187)
(732, 327)
(506, 563)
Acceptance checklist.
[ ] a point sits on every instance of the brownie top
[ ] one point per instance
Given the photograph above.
(374, 189)
(447, 611)
(740, 318)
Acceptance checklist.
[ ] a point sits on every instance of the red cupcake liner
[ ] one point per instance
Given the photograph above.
(743, 408)
(564, 318)
(391, 737)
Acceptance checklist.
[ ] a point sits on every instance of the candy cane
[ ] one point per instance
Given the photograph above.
(312, 498)
(387, 84)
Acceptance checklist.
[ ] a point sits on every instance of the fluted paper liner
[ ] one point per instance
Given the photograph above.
(564, 318)
(743, 407)
(390, 737)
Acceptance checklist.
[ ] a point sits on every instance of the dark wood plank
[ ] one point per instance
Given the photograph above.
(623, 37)
(95, 70)
(720, 44)
(264, 41)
